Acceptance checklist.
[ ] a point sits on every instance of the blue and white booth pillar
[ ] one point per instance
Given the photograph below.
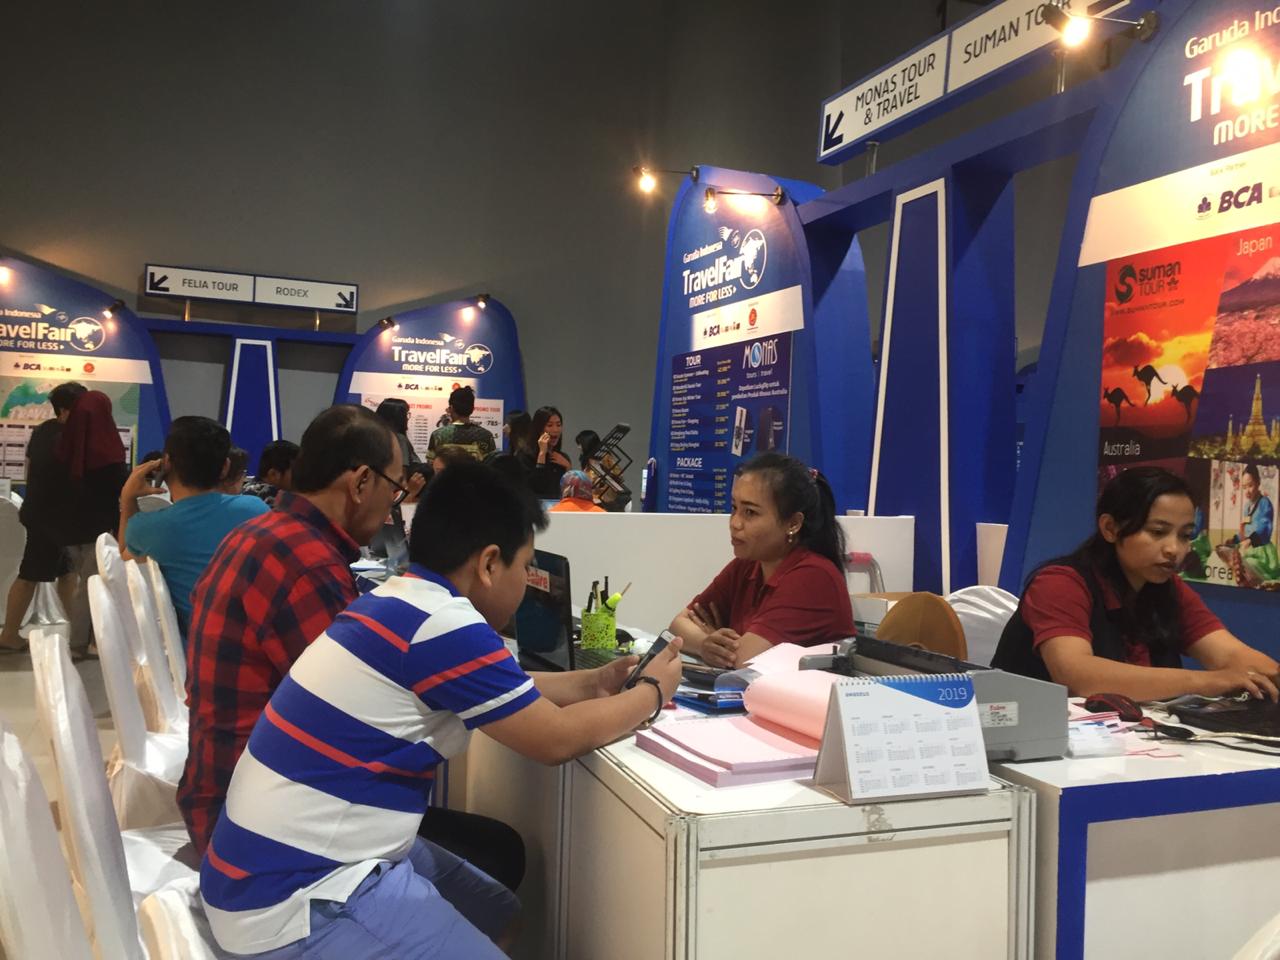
(944, 445)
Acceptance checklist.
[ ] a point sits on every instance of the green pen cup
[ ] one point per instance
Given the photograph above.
(599, 629)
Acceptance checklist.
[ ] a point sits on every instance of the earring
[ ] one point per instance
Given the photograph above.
(791, 536)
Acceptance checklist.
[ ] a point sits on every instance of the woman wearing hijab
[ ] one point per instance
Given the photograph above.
(94, 457)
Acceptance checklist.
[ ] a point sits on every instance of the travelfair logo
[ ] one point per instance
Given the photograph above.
(30, 330)
(742, 259)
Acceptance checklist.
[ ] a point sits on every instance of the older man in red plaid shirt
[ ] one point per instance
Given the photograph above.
(274, 585)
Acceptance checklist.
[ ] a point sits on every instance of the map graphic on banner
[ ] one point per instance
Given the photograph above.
(1191, 382)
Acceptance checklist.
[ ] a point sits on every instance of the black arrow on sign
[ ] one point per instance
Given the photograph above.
(157, 284)
(831, 139)
(345, 301)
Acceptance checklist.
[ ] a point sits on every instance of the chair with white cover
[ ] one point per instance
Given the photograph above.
(38, 912)
(116, 869)
(144, 770)
(169, 630)
(13, 541)
(155, 668)
(983, 612)
(1263, 945)
(174, 926)
(112, 570)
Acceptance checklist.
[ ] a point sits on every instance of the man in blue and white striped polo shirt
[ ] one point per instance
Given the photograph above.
(316, 852)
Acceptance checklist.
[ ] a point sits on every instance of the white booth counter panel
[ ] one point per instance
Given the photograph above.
(645, 862)
(669, 557)
(1140, 856)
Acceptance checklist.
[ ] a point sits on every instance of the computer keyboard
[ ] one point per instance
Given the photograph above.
(1250, 717)
(589, 658)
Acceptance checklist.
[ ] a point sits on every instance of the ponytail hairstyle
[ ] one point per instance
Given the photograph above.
(1152, 612)
(798, 489)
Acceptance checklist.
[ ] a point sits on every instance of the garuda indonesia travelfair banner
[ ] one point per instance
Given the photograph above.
(54, 329)
(1191, 334)
(422, 356)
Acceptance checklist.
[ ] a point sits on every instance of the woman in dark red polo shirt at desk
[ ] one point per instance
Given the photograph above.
(786, 582)
(1115, 617)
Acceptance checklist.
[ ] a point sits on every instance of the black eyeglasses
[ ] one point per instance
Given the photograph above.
(401, 493)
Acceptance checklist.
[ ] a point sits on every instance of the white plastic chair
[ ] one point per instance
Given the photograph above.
(112, 570)
(169, 630)
(153, 502)
(983, 612)
(144, 771)
(173, 924)
(38, 912)
(1263, 945)
(117, 870)
(155, 668)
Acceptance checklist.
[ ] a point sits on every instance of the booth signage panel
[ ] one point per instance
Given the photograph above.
(903, 87)
(974, 50)
(734, 303)
(1224, 196)
(779, 312)
(307, 294)
(190, 283)
(432, 352)
(165, 281)
(1007, 32)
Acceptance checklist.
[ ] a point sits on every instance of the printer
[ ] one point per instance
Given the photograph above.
(1022, 718)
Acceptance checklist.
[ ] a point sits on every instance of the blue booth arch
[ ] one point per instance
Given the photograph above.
(420, 355)
(54, 328)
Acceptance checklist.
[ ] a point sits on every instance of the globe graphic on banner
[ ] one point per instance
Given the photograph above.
(754, 253)
(87, 334)
(479, 358)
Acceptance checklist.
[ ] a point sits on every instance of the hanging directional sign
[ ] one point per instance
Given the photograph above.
(309, 294)
(188, 283)
(968, 57)
(192, 284)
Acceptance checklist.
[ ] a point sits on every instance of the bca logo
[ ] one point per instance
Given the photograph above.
(1124, 283)
(1239, 199)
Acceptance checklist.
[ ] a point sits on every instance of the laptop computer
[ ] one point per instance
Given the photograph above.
(545, 626)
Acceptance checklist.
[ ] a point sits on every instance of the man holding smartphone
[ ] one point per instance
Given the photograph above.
(315, 853)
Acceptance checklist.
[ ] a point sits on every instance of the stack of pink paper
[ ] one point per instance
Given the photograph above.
(725, 751)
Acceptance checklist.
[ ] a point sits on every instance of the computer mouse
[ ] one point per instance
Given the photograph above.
(1127, 709)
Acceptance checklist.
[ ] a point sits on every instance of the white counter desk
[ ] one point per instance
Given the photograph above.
(1147, 857)
(632, 859)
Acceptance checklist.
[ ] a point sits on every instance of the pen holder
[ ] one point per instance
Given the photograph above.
(600, 629)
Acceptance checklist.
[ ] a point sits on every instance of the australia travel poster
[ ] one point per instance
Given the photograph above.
(1191, 382)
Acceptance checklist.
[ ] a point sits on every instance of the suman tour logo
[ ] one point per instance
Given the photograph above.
(1147, 281)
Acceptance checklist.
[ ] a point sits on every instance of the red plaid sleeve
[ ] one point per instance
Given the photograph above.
(274, 585)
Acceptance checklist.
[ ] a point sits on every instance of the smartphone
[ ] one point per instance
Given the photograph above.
(664, 638)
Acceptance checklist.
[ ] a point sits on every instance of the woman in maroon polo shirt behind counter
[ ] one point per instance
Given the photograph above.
(1115, 617)
(786, 583)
